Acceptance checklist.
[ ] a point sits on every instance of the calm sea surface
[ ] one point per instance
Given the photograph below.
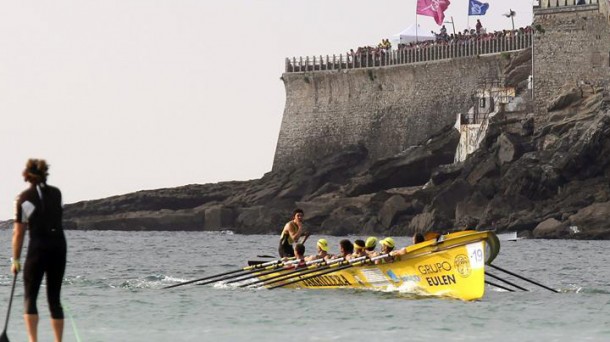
(113, 280)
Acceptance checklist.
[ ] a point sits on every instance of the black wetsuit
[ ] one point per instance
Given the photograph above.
(41, 208)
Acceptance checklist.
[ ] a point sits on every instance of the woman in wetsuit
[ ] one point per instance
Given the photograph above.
(290, 234)
(40, 209)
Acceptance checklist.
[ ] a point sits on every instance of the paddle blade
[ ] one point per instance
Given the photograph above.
(4, 338)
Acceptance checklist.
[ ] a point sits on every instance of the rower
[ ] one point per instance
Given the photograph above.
(359, 249)
(299, 254)
(322, 246)
(417, 238)
(346, 249)
(387, 246)
(291, 233)
(369, 245)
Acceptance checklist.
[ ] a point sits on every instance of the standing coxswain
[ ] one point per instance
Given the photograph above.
(293, 230)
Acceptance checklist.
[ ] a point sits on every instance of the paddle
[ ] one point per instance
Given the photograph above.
(505, 281)
(330, 269)
(310, 264)
(523, 278)
(244, 270)
(265, 256)
(4, 337)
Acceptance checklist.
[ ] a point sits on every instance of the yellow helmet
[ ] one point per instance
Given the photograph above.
(371, 242)
(323, 245)
(388, 242)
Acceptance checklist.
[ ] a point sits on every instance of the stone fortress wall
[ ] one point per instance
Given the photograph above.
(389, 107)
(574, 47)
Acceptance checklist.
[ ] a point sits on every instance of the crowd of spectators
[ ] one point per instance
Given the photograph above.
(372, 55)
(378, 50)
(477, 34)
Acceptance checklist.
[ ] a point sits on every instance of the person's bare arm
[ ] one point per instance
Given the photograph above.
(293, 235)
(18, 235)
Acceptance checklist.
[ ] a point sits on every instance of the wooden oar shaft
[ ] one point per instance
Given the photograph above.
(317, 274)
(249, 274)
(258, 274)
(505, 281)
(292, 271)
(244, 271)
(499, 286)
(300, 273)
(342, 266)
(523, 278)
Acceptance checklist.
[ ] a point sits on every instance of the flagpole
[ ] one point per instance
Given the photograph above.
(416, 26)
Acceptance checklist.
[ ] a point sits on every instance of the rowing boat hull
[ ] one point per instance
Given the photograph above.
(453, 267)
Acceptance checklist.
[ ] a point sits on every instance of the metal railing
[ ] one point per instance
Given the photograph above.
(419, 53)
(563, 3)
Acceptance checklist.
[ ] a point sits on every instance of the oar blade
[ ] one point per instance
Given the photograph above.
(4, 338)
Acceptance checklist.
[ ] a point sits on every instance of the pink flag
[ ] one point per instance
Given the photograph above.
(433, 8)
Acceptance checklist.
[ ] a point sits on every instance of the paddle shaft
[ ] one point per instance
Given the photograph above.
(4, 338)
(523, 278)
(505, 281)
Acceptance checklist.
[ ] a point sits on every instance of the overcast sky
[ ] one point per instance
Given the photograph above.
(127, 95)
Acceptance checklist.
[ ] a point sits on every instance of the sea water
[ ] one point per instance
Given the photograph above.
(112, 292)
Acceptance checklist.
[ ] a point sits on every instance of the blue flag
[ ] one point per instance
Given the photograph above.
(477, 8)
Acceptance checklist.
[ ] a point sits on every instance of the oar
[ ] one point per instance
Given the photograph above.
(305, 238)
(312, 265)
(523, 278)
(243, 270)
(250, 274)
(330, 269)
(4, 337)
(499, 286)
(505, 281)
(315, 270)
(265, 256)
(288, 266)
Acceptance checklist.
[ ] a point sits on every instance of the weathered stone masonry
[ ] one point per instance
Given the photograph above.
(391, 108)
(387, 109)
(574, 47)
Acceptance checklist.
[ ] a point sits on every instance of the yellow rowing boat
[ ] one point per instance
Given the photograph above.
(451, 266)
